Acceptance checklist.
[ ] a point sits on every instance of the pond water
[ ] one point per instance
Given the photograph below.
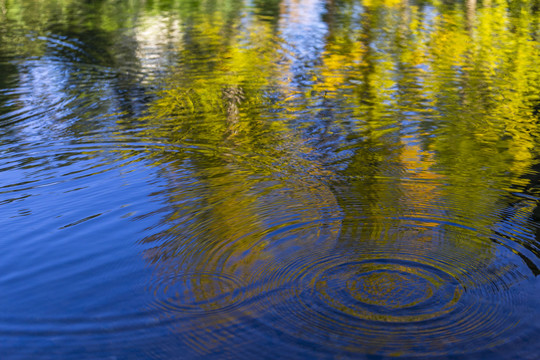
(295, 179)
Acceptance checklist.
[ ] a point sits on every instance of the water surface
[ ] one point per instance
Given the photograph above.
(266, 179)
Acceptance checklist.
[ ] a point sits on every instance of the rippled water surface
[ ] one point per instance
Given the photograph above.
(294, 179)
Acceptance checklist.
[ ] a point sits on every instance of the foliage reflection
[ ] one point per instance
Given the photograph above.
(335, 164)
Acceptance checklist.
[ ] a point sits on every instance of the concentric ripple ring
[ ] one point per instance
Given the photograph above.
(389, 302)
(198, 293)
(390, 291)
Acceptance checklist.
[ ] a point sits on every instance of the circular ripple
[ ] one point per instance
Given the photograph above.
(392, 291)
(392, 302)
(380, 289)
(198, 293)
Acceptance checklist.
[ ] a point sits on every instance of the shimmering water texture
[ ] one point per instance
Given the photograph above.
(269, 179)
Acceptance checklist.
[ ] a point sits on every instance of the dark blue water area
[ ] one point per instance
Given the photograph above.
(71, 266)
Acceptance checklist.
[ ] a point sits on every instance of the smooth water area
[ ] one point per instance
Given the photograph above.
(264, 179)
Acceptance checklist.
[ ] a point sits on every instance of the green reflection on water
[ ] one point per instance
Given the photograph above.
(401, 122)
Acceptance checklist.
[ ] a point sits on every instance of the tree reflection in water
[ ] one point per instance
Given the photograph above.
(329, 178)
(350, 184)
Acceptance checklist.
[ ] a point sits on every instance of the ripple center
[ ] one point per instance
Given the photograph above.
(391, 289)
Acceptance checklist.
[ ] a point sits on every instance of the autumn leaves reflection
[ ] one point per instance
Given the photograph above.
(392, 145)
(326, 176)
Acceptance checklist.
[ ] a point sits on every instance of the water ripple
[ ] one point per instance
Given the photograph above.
(198, 293)
(393, 302)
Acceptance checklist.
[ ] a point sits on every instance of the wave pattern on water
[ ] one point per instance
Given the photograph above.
(270, 179)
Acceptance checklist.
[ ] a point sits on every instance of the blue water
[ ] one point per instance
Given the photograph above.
(270, 179)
